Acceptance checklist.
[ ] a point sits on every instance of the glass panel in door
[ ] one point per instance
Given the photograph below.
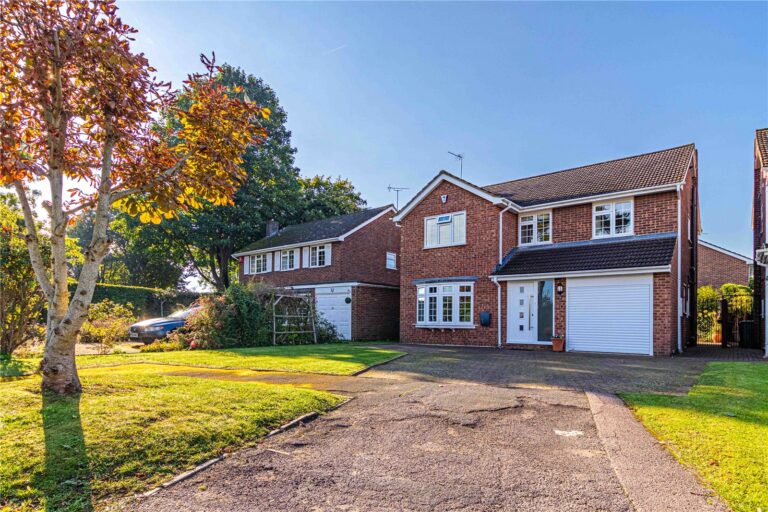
(545, 308)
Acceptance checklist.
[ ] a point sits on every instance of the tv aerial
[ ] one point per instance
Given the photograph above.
(397, 191)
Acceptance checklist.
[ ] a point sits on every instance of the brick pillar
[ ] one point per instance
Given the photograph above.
(560, 307)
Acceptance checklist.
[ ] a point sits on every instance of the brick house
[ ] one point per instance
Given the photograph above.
(760, 181)
(718, 266)
(603, 254)
(349, 263)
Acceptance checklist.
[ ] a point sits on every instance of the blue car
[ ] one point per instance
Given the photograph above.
(148, 331)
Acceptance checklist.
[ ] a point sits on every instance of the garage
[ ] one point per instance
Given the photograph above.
(334, 303)
(610, 314)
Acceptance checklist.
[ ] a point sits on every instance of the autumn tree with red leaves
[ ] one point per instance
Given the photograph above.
(78, 114)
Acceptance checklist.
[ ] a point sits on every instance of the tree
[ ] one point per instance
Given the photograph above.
(21, 302)
(272, 189)
(78, 106)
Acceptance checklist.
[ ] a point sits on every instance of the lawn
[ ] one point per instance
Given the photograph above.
(334, 359)
(131, 429)
(720, 428)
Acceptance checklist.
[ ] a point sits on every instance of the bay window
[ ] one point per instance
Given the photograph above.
(444, 305)
(536, 228)
(612, 219)
(445, 230)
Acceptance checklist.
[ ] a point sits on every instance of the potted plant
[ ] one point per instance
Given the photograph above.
(558, 343)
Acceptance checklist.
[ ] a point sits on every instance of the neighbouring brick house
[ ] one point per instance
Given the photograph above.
(718, 266)
(349, 263)
(603, 254)
(760, 181)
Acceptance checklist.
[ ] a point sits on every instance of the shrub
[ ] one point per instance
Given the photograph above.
(169, 344)
(107, 324)
(326, 331)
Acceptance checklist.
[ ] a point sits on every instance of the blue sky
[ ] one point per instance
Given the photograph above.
(380, 92)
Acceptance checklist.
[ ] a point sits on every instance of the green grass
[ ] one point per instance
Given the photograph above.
(334, 359)
(131, 429)
(720, 428)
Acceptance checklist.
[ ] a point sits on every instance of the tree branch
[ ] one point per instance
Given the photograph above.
(33, 242)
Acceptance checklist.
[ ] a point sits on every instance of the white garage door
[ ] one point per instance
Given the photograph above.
(332, 304)
(610, 314)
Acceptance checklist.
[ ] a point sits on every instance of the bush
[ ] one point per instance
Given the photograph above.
(326, 331)
(169, 344)
(107, 324)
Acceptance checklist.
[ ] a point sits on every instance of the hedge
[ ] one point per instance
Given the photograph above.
(146, 302)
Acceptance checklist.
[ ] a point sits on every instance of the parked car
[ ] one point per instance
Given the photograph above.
(148, 331)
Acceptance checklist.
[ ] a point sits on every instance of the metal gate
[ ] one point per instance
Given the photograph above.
(726, 321)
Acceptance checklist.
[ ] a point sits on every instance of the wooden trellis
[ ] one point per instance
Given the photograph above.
(293, 313)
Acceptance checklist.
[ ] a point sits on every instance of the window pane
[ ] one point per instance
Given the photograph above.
(448, 289)
(432, 308)
(448, 308)
(431, 232)
(420, 308)
(526, 233)
(433, 289)
(527, 218)
(542, 227)
(465, 308)
(623, 218)
(602, 224)
(391, 260)
(603, 208)
(321, 256)
(465, 288)
(459, 228)
(444, 233)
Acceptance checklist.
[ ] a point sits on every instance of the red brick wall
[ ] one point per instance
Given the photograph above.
(560, 305)
(664, 315)
(361, 257)
(476, 258)
(375, 313)
(717, 268)
(572, 223)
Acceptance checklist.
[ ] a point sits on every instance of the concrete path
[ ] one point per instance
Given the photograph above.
(462, 429)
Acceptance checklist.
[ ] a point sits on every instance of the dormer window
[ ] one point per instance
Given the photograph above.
(445, 230)
(536, 228)
(612, 219)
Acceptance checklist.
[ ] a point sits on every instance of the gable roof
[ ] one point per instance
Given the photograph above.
(725, 251)
(450, 178)
(761, 138)
(632, 252)
(325, 230)
(657, 169)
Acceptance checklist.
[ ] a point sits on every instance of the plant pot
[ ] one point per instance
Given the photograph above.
(558, 344)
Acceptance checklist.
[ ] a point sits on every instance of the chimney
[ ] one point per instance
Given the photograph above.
(272, 227)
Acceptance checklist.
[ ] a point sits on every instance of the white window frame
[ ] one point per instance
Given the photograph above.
(613, 204)
(393, 260)
(438, 291)
(451, 221)
(317, 249)
(290, 253)
(535, 223)
(253, 265)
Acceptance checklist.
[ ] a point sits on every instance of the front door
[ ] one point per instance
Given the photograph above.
(521, 318)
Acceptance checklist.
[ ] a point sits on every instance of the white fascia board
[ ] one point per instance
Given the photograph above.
(600, 197)
(361, 226)
(587, 273)
(445, 176)
(284, 247)
(725, 251)
(345, 283)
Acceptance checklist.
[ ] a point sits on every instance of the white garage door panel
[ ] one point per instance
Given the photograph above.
(611, 314)
(332, 304)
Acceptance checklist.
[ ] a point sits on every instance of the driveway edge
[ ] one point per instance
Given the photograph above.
(651, 477)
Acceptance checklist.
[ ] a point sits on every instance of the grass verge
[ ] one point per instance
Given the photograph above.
(131, 429)
(720, 428)
(332, 359)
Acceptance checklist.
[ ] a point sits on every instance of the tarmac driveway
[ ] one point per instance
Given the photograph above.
(461, 429)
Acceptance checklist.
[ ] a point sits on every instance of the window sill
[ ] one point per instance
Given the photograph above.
(601, 237)
(444, 326)
(426, 247)
(533, 243)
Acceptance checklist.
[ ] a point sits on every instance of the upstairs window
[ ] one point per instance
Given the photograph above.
(536, 228)
(258, 263)
(288, 260)
(317, 256)
(445, 230)
(391, 261)
(612, 219)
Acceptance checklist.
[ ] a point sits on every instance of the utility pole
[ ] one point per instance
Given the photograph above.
(460, 158)
(397, 191)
